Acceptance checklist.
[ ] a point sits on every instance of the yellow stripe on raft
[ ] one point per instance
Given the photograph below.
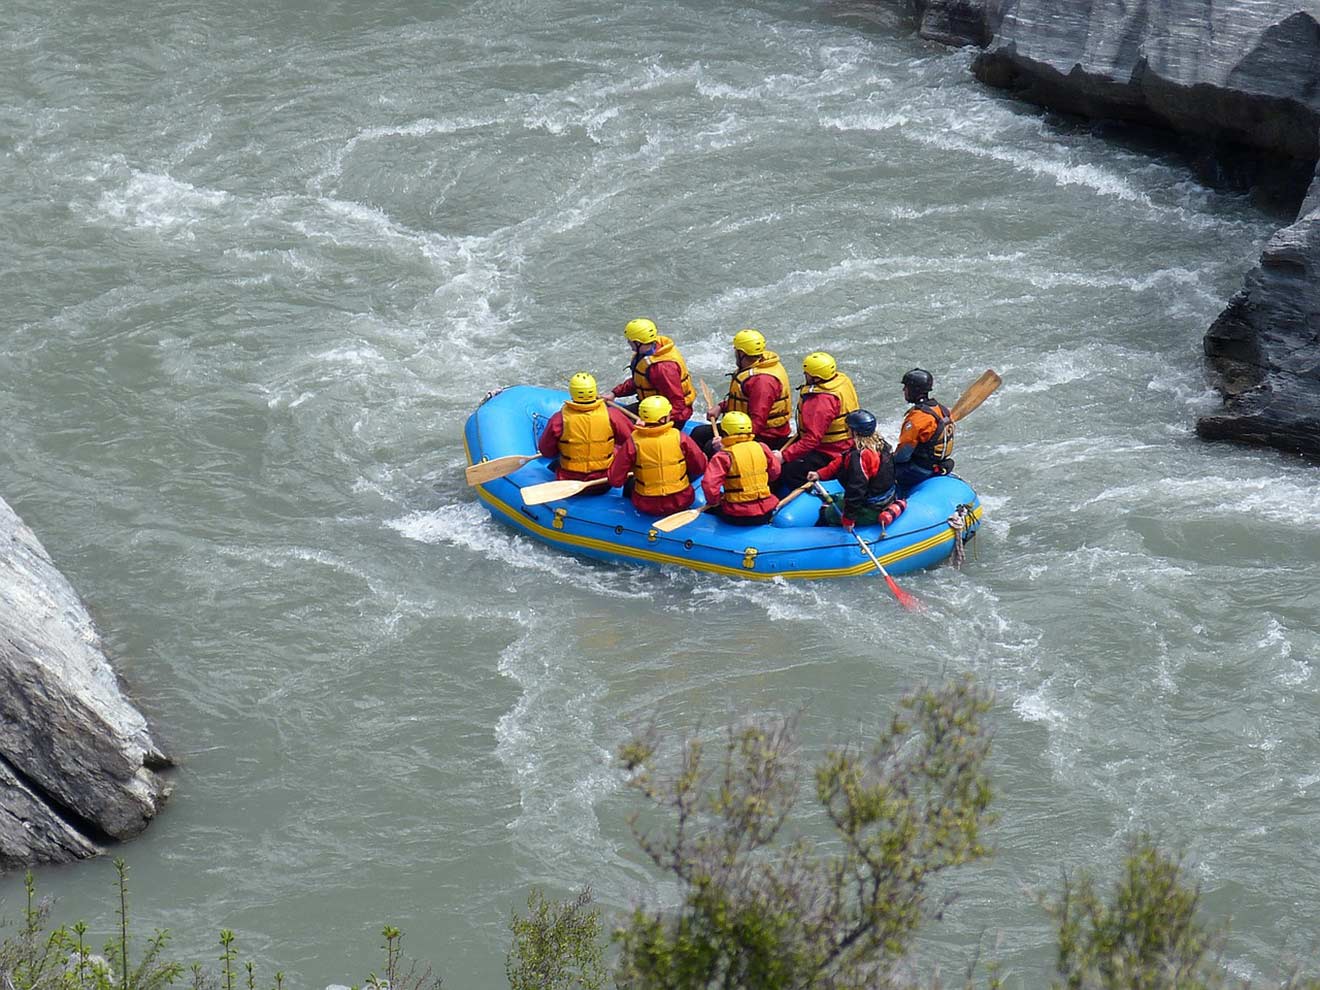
(558, 536)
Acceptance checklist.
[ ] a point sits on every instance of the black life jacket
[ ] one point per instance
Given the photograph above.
(938, 449)
(876, 489)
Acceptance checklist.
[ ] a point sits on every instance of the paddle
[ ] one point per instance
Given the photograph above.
(549, 491)
(672, 522)
(976, 393)
(707, 396)
(625, 410)
(907, 600)
(484, 471)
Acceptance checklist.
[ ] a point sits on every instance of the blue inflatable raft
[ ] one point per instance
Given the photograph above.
(607, 527)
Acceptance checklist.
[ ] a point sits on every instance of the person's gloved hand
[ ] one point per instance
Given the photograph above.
(848, 523)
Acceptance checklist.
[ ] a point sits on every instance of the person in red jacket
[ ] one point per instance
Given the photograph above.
(825, 399)
(584, 433)
(758, 387)
(738, 478)
(663, 461)
(657, 368)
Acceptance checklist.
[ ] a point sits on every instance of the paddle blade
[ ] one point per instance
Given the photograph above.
(480, 473)
(976, 393)
(707, 396)
(672, 522)
(549, 491)
(908, 600)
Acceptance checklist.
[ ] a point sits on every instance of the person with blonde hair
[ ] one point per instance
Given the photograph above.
(867, 475)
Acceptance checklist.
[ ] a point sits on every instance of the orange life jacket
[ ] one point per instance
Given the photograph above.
(748, 477)
(664, 351)
(660, 468)
(842, 387)
(769, 364)
(939, 448)
(587, 443)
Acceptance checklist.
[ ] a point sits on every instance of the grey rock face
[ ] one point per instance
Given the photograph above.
(1245, 72)
(958, 22)
(1266, 345)
(77, 761)
(1239, 80)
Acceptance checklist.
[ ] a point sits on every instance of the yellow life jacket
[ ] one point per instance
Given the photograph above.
(748, 478)
(664, 351)
(840, 385)
(769, 364)
(660, 468)
(587, 443)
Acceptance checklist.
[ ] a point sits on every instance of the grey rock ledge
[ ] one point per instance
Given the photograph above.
(78, 765)
(1239, 84)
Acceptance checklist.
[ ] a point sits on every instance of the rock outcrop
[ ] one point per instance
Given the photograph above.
(1266, 345)
(78, 766)
(1239, 83)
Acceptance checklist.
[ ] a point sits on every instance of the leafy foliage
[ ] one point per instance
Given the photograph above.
(556, 946)
(1147, 936)
(759, 907)
(760, 912)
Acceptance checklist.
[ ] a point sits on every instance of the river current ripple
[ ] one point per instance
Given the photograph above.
(261, 261)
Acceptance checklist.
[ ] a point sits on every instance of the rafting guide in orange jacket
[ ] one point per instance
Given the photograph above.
(925, 440)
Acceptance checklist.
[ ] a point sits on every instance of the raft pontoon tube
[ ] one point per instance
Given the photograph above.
(607, 527)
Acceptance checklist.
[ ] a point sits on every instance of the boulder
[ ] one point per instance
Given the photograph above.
(1239, 84)
(78, 765)
(957, 22)
(1265, 346)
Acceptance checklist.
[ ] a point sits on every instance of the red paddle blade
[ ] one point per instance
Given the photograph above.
(907, 600)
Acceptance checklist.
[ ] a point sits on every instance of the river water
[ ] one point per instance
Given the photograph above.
(261, 260)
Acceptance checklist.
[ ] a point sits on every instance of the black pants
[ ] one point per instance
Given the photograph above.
(908, 475)
(760, 520)
(794, 474)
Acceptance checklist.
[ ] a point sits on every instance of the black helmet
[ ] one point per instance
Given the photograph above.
(860, 422)
(918, 381)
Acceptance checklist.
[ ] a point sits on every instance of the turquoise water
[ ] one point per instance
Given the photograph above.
(260, 264)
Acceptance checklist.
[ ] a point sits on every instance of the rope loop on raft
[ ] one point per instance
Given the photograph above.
(958, 523)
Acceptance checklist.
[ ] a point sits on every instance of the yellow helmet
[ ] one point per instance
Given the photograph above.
(641, 331)
(582, 388)
(749, 342)
(820, 365)
(653, 409)
(736, 424)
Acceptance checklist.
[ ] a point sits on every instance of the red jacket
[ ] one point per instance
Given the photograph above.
(818, 411)
(668, 381)
(625, 456)
(548, 445)
(762, 393)
(713, 480)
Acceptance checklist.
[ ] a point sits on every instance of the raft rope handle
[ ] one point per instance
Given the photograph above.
(958, 523)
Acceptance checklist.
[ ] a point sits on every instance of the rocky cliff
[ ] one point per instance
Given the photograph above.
(78, 766)
(1239, 83)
